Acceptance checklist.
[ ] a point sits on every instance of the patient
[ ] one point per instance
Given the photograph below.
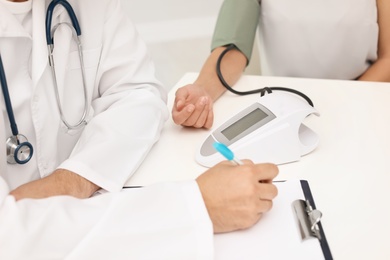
(318, 41)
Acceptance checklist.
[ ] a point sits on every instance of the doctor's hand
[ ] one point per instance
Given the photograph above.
(236, 197)
(193, 106)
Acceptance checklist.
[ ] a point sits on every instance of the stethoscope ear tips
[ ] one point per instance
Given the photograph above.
(19, 150)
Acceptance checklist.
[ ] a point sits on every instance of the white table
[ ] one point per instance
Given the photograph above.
(349, 172)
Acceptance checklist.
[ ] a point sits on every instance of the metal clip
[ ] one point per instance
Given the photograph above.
(308, 219)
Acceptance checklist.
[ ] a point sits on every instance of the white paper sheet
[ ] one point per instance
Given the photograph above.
(276, 236)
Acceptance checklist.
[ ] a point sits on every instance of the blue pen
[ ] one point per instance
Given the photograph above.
(227, 153)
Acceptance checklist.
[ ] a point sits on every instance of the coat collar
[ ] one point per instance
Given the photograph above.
(9, 25)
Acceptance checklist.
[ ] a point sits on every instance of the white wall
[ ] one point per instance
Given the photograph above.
(178, 34)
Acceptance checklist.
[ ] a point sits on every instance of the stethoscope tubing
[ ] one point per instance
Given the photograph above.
(49, 17)
(7, 100)
(15, 147)
(76, 33)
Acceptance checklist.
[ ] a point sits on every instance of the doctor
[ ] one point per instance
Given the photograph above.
(126, 104)
(126, 112)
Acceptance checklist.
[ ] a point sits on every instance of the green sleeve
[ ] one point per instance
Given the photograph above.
(237, 22)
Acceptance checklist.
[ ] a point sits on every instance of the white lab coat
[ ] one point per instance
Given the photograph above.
(166, 221)
(128, 109)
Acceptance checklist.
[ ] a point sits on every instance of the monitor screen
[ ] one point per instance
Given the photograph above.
(244, 123)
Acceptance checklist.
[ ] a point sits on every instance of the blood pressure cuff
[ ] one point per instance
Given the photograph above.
(236, 24)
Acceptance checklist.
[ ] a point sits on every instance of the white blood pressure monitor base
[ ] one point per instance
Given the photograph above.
(270, 130)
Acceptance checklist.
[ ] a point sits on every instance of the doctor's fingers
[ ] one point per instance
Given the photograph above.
(257, 208)
(266, 191)
(264, 206)
(260, 198)
(256, 173)
(265, 172)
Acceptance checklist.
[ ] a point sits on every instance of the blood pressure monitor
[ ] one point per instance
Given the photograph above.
(270, 130)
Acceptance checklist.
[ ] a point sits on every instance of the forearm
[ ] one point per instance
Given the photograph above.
(232, 67)
(379, 71)
(61, 182)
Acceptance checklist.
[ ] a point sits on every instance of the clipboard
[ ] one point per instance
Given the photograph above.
(291, 230)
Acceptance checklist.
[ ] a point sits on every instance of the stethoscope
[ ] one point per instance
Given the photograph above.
(19, 150)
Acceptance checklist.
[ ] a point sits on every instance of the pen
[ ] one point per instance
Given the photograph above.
(227, 153)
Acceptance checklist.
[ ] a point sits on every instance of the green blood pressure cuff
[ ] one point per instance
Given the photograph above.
(236, 24)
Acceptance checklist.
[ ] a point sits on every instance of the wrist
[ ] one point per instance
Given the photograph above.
(211, 86)
(60, 182)
(73, 184)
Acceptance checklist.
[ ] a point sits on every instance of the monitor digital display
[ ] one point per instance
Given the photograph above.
(244, 123)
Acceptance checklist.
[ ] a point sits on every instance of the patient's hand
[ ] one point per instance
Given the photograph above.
(193, 107)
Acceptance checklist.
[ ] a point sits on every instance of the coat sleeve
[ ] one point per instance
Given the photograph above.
(129, 105)
(163, 221)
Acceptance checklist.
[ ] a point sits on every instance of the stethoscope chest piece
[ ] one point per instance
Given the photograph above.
(19, 150)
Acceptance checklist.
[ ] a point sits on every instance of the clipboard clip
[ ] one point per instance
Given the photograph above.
(308, 219)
